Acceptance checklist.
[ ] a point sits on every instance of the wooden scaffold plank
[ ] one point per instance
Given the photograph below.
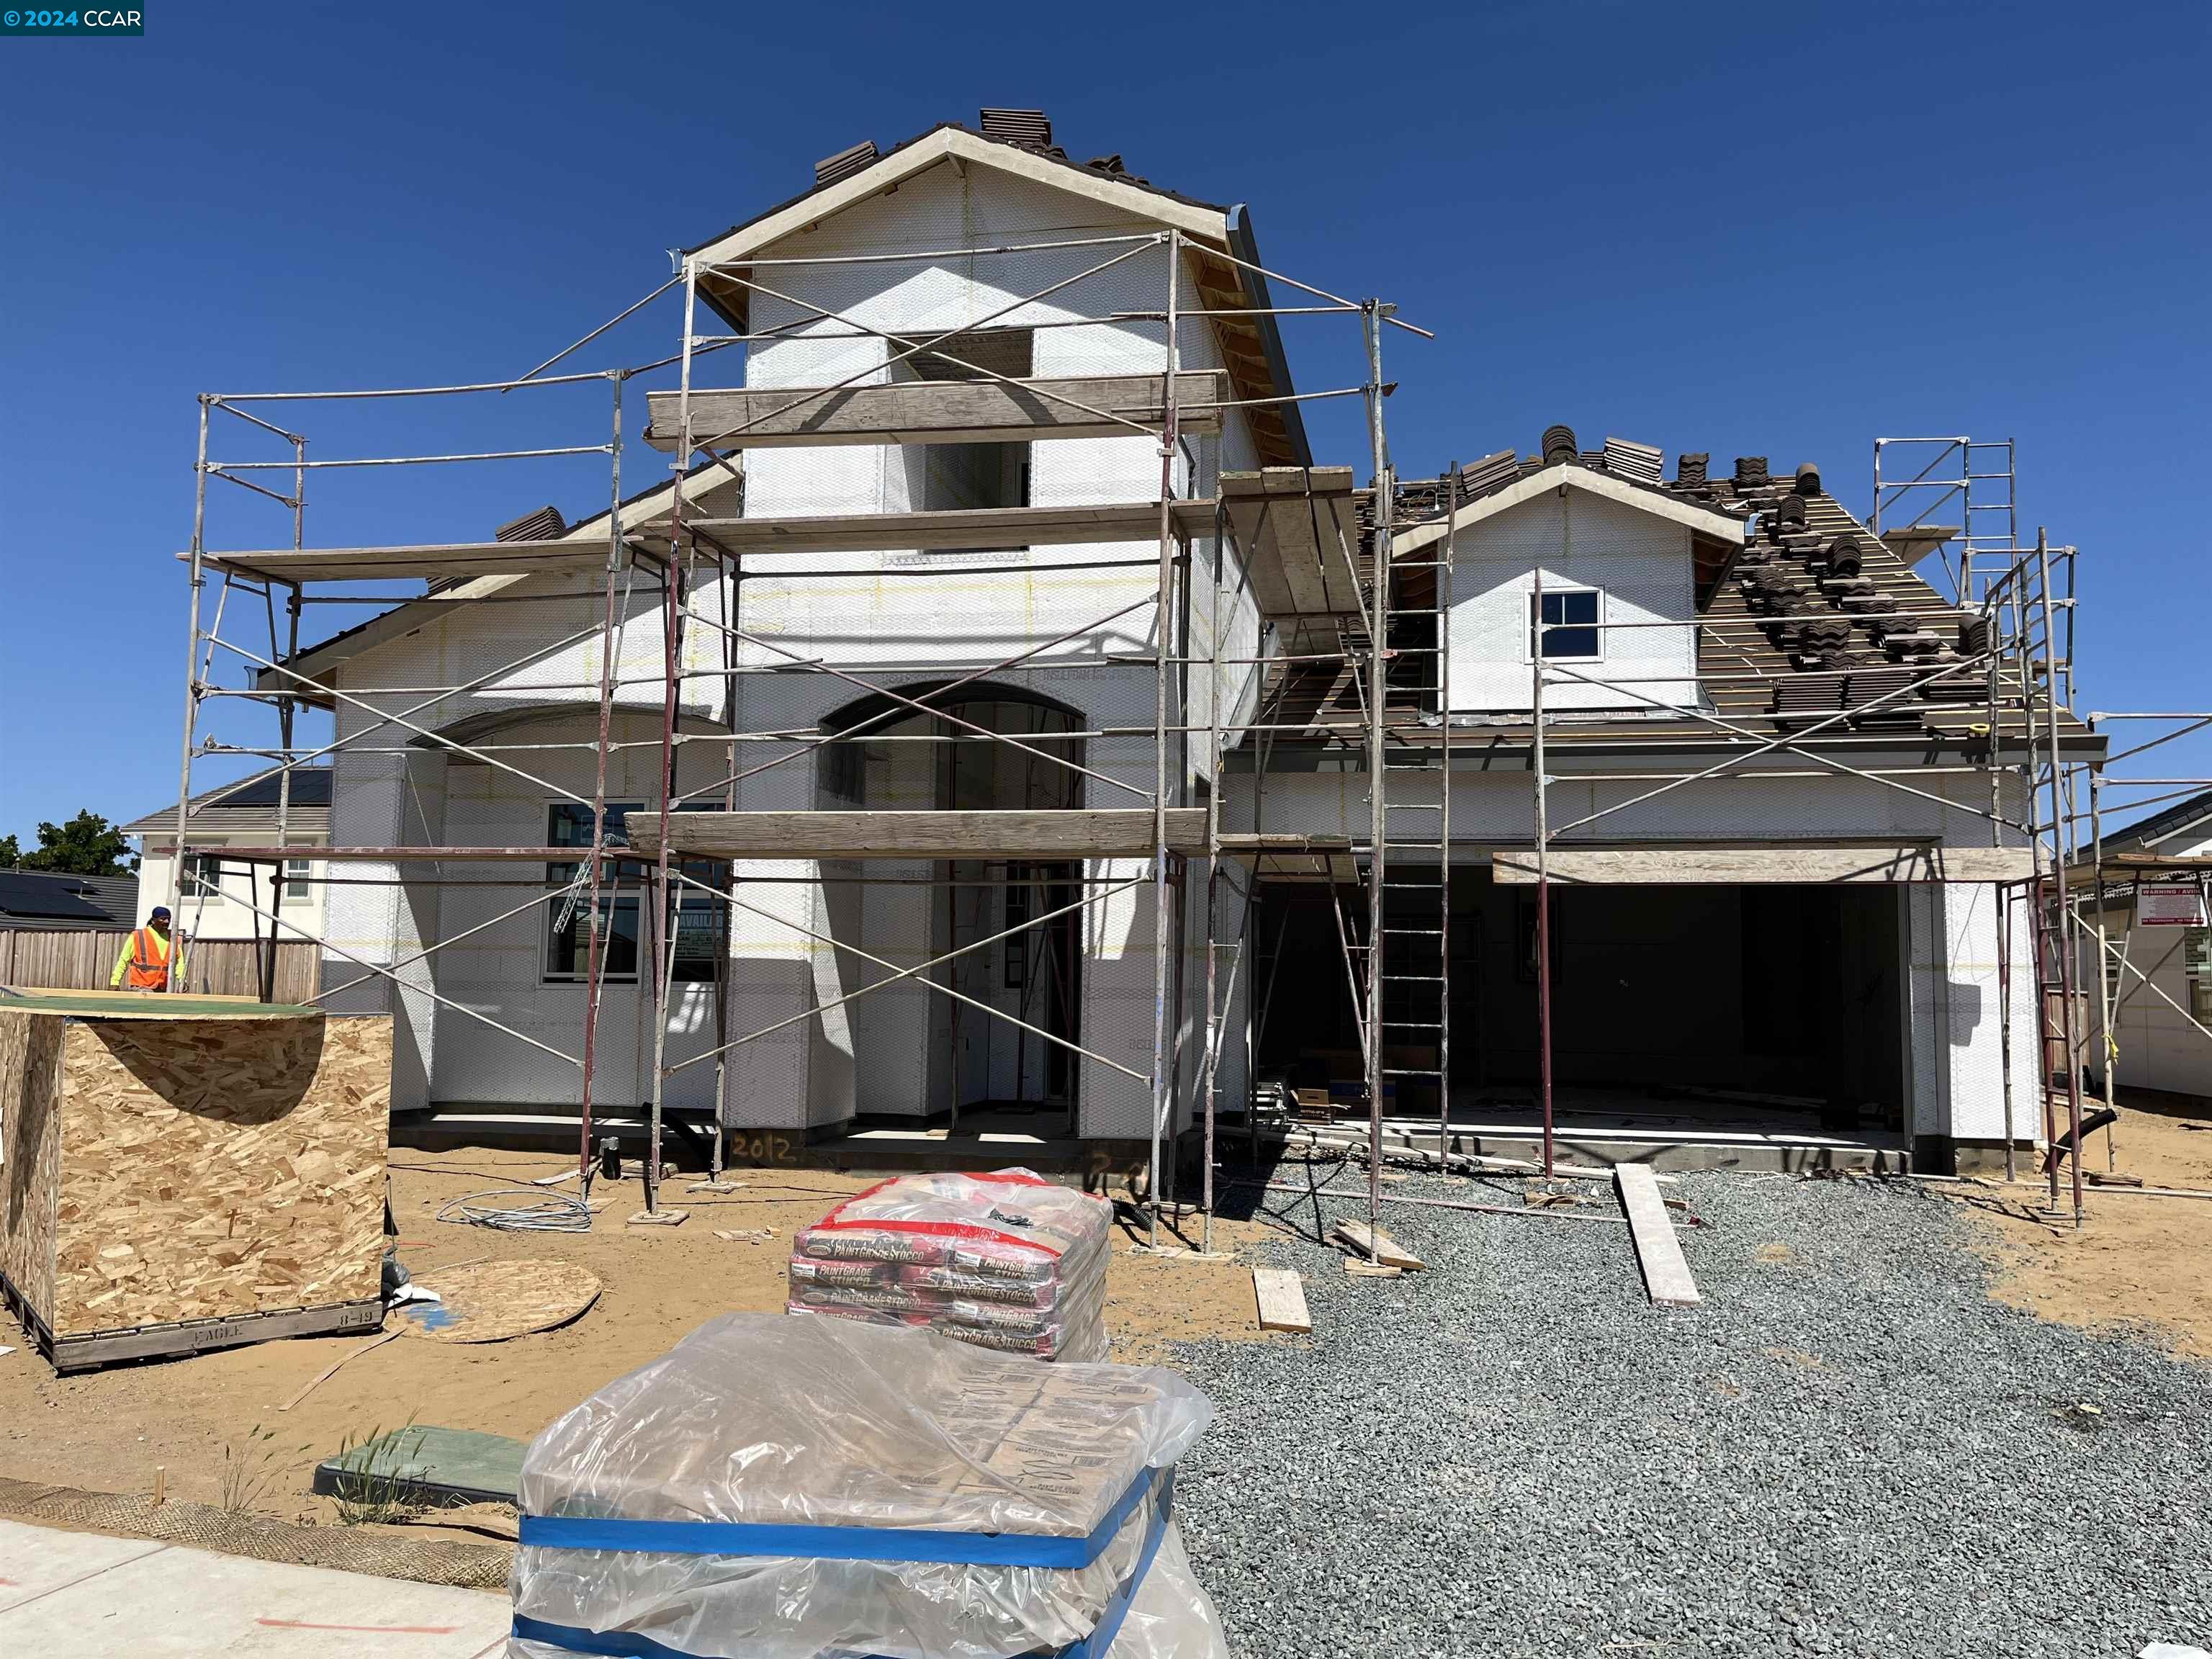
(937, 412)
(1667, 1279)
(1095, 833)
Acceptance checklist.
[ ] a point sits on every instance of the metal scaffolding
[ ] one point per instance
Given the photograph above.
(1377, 612)
(688, 561)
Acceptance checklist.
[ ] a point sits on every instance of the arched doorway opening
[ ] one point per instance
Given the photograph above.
(992, 748)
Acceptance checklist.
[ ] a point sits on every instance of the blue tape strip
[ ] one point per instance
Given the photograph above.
(613, 1643)
(993, 1549)
(1094, 1646)
(628, 1645)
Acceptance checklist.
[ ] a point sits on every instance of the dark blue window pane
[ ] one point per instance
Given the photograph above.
(1571, 624)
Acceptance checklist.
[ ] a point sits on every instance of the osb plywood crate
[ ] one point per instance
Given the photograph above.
(172, 1182)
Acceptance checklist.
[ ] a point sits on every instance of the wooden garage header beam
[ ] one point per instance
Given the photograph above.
(1676, 867)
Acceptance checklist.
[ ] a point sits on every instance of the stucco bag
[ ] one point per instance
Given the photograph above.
(1005, 1260)
(778, 1488)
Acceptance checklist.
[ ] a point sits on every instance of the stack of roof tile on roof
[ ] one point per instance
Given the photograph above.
(1817, 618)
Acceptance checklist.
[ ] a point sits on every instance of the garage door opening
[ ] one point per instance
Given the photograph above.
(1753, 1013)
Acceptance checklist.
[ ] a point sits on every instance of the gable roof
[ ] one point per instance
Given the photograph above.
(1508, 493)
(1251, 345)
(1762, 669)
(950, 140)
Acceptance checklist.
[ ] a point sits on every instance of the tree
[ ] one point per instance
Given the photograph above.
(11, 853)
(88, 845)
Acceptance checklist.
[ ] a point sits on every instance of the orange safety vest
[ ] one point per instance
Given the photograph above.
(150, 962)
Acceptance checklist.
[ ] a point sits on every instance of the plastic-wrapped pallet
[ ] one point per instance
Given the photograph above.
(1005, 1260)
(779, 1488)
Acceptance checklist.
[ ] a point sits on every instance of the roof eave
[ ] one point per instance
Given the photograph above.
(949, 141)
(1572, 475)
(1244, 246)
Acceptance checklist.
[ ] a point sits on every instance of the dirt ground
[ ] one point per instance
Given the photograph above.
(2138, 1260)
(214, 1421)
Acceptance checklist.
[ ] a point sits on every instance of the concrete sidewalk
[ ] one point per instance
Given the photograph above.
(76, 1595)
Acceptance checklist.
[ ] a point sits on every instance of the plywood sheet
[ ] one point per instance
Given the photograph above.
(213, 1168)
(30, 1151)
(494, 1301)
(142, 1005)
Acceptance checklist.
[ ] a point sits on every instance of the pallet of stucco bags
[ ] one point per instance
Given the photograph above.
(1005, 1260)
(777, 1488)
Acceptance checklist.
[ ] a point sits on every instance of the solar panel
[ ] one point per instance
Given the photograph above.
(49, 898)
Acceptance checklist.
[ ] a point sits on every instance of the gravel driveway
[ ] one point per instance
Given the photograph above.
(1848, 1450)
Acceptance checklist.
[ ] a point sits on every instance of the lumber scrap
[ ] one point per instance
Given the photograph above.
(1281, 1295)
(1377, 1246)
(1667, 1279)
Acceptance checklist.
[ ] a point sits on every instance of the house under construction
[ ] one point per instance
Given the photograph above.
(994, 729)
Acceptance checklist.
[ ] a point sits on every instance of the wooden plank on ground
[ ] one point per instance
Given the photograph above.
(1380, 1247)
(1282, 1298)
(1667, 1279)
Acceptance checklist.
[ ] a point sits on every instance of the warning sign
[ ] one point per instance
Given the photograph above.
(2170, 904)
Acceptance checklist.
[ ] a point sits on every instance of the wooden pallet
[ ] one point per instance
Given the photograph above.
(186, 1337)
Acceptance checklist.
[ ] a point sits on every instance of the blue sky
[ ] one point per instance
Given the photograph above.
(1763, 230)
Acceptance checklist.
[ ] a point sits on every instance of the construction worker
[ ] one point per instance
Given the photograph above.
(144, 963)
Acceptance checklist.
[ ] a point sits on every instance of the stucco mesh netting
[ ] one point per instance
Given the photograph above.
(349, 1549)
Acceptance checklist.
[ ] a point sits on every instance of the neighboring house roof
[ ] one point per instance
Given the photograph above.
(249, 804)
(1767, 677)
(2144, 835)
(55, 900)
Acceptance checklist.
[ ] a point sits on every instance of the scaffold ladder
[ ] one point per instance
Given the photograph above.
(1414, 775)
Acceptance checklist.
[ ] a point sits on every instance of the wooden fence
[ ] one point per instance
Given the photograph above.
(82, 961)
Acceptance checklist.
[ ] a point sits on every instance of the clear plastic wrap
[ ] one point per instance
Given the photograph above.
(947, 1248)
(852, 1431)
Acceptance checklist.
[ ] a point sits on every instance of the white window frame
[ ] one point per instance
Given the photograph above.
(612, 895)
(299, 889)
(2196, 972)
(1532, 620)
(195, 888)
